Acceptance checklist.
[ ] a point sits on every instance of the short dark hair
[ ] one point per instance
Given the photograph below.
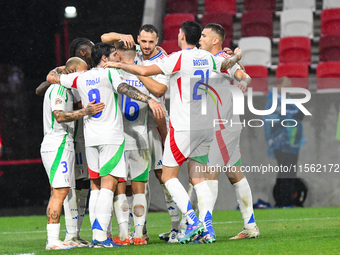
(121, 46)
(192, 31)
(217, 28)
(76, 45)
(149, 28)
(99, 50)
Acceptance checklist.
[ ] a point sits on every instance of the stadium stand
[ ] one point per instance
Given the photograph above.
(298, 72)
(297, 22)
(257, 23)
(329, 48)
(254, 5)
(213, 6)
(330, 22)
(259, 75)
(327, 74)
(182, 6)
(173, 22)
(295, 49)
(256, 50)
(300, 4)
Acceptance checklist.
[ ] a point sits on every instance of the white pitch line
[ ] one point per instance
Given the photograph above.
(215, 223)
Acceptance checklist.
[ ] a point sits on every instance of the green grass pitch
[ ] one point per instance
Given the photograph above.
(283, 231)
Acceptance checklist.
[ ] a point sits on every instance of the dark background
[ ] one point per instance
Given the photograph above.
(28, 53)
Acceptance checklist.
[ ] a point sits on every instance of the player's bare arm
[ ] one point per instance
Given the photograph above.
(243, 78)
(135, 69)
(113, 38)
(134, 93)
(41, 89)
(155, 87)
(67, 116)
(161, 123)
(229, 62)
(53, 77)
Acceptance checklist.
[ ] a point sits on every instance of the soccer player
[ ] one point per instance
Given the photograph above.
(57, 149)
(157, 129)
(136, 154)
(104, 137)
(225, 148)
(75, 202)
(190, 132)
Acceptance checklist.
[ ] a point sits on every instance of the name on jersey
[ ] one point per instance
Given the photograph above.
(135, 83)
(93, 82)
(201, 62)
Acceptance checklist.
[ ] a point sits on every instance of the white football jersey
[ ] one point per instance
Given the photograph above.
(225, 111)
(134, 116)
(78, 124)
(101, 85)
(161, 78)
(57, 98)
(186, 68)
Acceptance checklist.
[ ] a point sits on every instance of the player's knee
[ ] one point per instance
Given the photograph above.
(138, 210)
(125, 206)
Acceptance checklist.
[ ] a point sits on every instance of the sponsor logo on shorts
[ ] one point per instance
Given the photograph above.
(159, 163)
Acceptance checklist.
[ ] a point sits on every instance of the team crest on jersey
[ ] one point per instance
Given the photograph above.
(58, 101)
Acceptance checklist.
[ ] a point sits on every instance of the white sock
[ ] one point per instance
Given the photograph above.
(103, 214)
(213, 186)
(82, 199)
(121, 208)
(204, 204)
(53, 230)
(245, 202)
(181, 198)
(193, 197)
(139, 199)
(109, 227)
(130, 202)
(172, 209)
(148, 202)
(71, 214)
(92, 204)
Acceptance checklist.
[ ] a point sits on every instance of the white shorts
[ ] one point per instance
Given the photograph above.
(80, 169)
(59, 166)
(137, 165)
(106, 159)
(180, 145)
(155, 148)
(225, 149)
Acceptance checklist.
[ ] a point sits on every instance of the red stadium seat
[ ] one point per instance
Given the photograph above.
(227, 42)
(172, 23)
(257, 5)
(329, 48)
(183, 6)
(220, 6)
(296, 49)
(328, 77)
(257, 23)
(330, 22)
(259, 78)
(298, 72)
(224, 19)
(170, 46)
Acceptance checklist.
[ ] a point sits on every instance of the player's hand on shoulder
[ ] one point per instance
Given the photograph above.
(111, 64)
(159, 48)
(157, 109)
(228, 51)
(241, 87)
(128, 40)
(92, 108)
(68, 70)
(238, 52)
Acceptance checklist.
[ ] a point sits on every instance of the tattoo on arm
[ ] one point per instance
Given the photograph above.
(67, 116)
(229, 62)
(55, 77)
(133, 93)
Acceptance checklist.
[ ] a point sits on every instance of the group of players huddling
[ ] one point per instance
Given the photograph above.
(106, 127)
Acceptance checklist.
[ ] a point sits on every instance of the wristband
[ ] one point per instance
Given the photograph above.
(244, 83)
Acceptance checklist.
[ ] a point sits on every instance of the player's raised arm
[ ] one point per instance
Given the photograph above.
(66, 116)
(134, 93)
(114, 37)
(155, 87)
(135, 69)
(243, 78)
(229, 62)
